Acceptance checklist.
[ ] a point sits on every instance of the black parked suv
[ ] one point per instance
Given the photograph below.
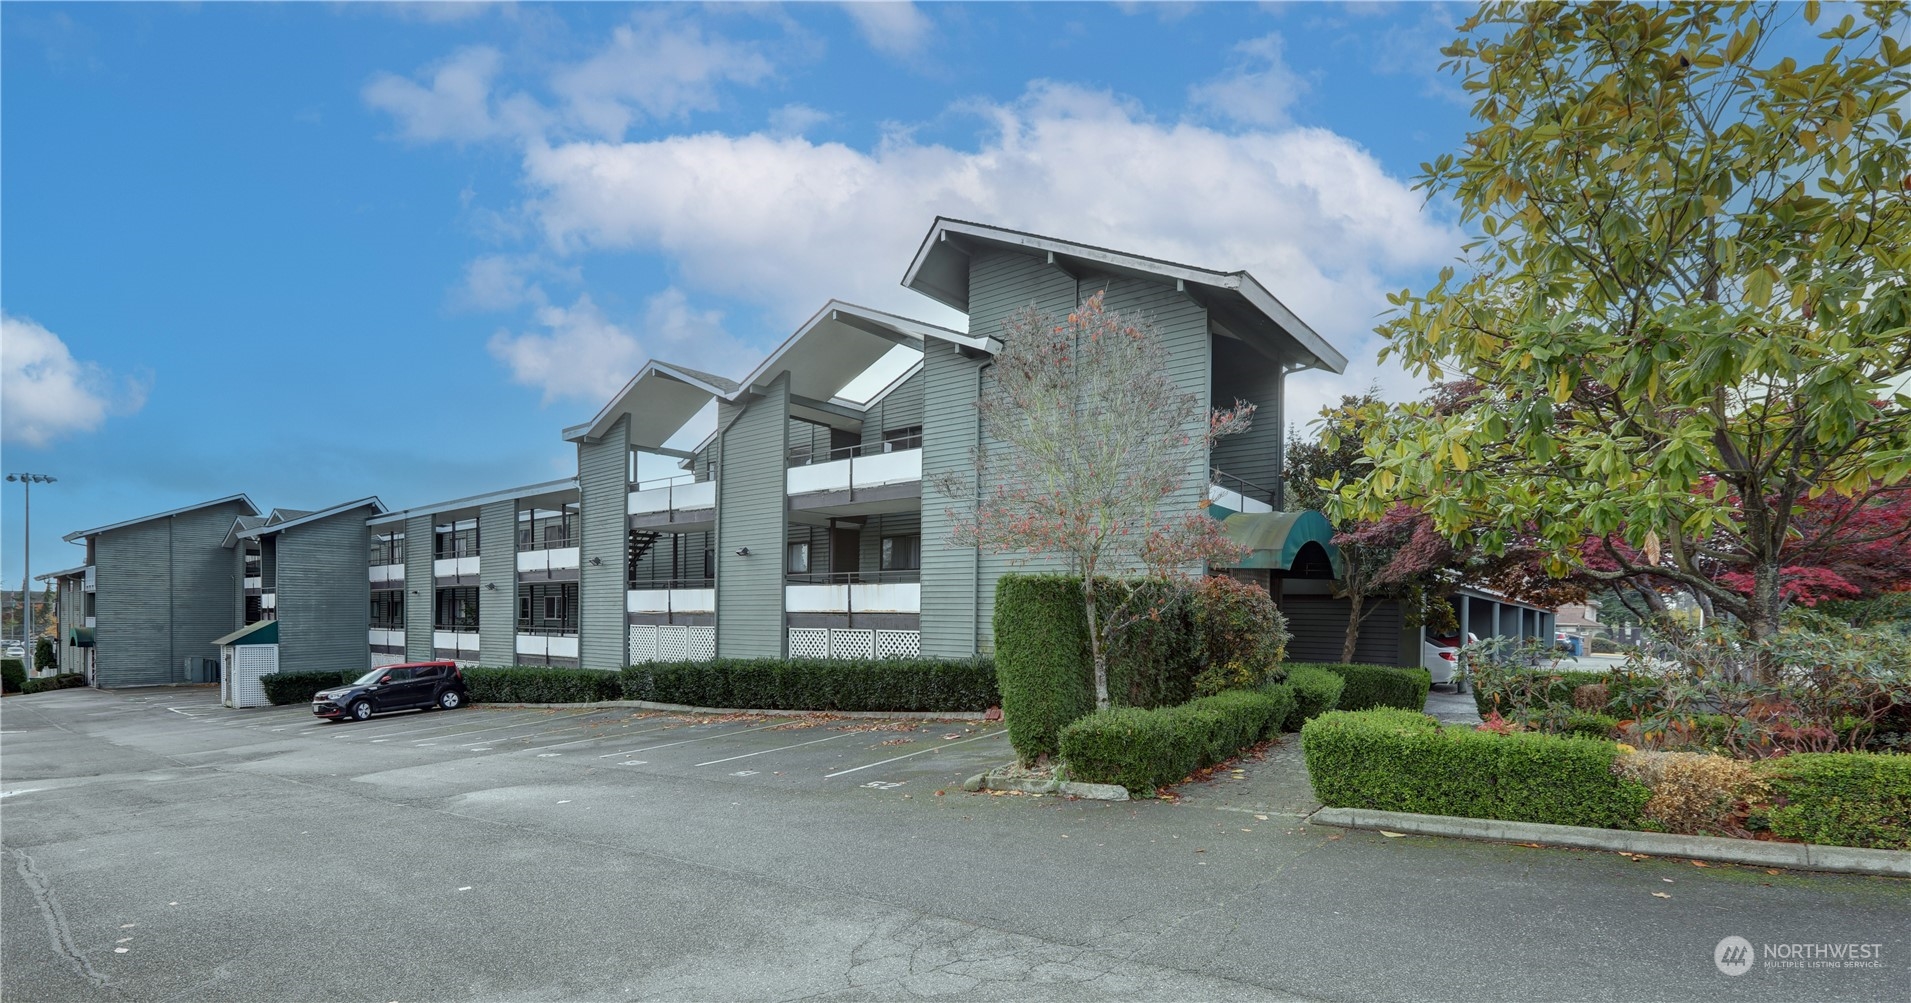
(394, 687)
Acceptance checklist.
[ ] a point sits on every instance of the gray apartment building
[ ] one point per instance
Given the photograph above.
(799, 527)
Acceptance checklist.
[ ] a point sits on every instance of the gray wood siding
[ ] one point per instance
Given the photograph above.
(1319, 628)
(324, 594)
(674, 555)
(498, 583)
(948, 571)
(165, 591)
(1242, 373)
(420, 593)
(901, 409)
(603, 486)
(752, 512)
(888, 524)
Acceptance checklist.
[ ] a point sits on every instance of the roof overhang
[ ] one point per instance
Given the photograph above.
(257, 532)
(240, 498)
(63, 573)
(545, 490)
(837, 345)
(1273, 540)
(263, 632)
(1236, 301)
(659, 401)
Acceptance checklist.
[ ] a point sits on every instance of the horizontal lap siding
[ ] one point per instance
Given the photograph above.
(901, 409)
(1242, 373)
(887, 524)
(1318, 626)
(165, 592)
(752, 512)
(948, 571)
(420, 592)
(603, 482)
(324, 594)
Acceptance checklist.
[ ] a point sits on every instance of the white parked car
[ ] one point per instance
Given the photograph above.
(16, 651)
(1442, 662)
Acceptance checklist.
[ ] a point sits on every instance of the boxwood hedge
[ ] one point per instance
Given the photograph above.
(13, 675)
(1316, 691)
(1395, 760)
(1369, 686)
(541, 684)
(1841, 798)
(63, 681)
(816, 684)
(1146, 749)
(1041, 660)
(298, 687)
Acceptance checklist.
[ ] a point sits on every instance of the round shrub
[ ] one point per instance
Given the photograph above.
(1240, 635)
(1316, 691)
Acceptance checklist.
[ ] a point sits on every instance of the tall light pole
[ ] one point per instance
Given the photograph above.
(27, 481)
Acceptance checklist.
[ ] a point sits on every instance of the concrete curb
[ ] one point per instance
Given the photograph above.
(1798, 856)
(1069, 788)
(874, 715)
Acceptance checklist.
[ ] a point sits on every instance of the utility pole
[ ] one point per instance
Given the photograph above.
(27, 640)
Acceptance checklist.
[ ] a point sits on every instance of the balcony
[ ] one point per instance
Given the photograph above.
(1228, 494)
(455, 567)
(386, 575)
(542, 643)
(385, 639)
(680, 506)
(268, 599)
(852, 482)
(685, 595)
(460, 643)
(548, 560)
(854, 592)
(252, 584)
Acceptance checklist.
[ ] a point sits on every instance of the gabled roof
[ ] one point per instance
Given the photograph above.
(263, 632)
(270, 528)
(567, 484)
(227, 500)
(279, 515)
(1236, 301)
(658, 400)
(65, 573)
(240, 525)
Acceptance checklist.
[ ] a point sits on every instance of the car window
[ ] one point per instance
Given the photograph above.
(428, 672)
(398, 675)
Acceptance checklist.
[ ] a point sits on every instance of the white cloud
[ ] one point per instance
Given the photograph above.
(456, 106)
(45, 393)
(895, 28)
(796, 119)
(582, 353)
(658, 66)
(1257, 89)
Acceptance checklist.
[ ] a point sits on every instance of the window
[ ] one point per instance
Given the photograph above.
(799, 558)
(800, 455)
(548, 607)
(387, 548)
(457, 609)
(388, 609)
(547, 529)
(902, 438)
(457, 540)
(902, 553)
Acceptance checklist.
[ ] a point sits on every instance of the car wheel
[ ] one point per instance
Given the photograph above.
(451, 700)
(362, 710)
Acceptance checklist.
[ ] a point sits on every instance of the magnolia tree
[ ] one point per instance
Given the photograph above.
(1091, 444)
(1686, 306)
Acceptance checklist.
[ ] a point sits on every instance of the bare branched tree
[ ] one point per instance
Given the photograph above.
(1095, 438)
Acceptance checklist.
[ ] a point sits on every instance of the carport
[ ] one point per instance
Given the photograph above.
(245, 657)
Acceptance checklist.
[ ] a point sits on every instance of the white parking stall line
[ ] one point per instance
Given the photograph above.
(596, 738)
(687, 741)
(766, 752)
(545, 733)
(921, 752)
(502, 727)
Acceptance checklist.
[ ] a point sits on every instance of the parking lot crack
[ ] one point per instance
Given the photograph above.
(56, 927)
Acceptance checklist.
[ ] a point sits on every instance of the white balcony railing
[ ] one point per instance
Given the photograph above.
(1235, 501)
(857, 472)
(269, 600)
(88, 586)
(674, 498)
(465, 643)
(548, 645)
(254, 582)
(382, 637)
(383, 573)
(671, 601)
(449, 567)
(887, 597)
(554, 559)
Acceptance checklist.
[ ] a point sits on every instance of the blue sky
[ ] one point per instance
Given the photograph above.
(318, 251)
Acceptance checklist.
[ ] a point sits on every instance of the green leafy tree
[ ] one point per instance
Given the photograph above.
(43, 656)
(1686, 307)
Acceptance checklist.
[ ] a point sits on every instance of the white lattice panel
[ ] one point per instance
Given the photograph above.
(809, 642)
(899, 644)
(673, 644)
(643, 644)
(852, 643)
(703, 643)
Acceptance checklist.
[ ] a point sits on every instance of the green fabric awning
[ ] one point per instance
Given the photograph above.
(263, 632)
(81, 637)
(1274, 539)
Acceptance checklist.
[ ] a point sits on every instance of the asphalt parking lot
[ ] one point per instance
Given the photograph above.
(161, 848)
(813, 752)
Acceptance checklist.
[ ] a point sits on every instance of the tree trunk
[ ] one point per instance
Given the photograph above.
(1354, 617)
(1766, 610)
(1095, 649)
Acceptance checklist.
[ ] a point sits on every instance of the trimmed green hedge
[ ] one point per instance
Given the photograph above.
(298, 687)
(63, 681)
(886, 684)
(1316, 691)
(1146, 749)
(1042, 664)
(1397, 760)
(1841, 798)
(13, 675)
(541, 684)
(1376, 685)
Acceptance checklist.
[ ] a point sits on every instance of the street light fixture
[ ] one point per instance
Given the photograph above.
(27, 481)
